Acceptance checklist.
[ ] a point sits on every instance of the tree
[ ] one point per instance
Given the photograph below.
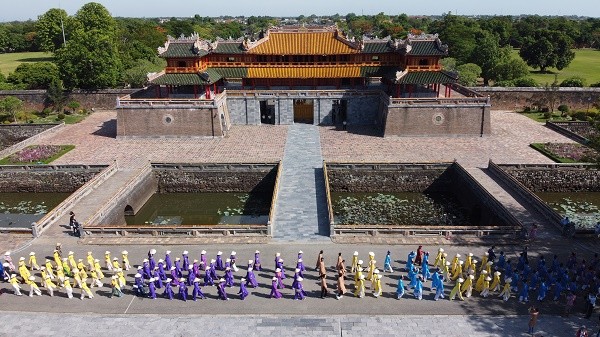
(137, 76)
(459, 34)
(73, 105)
(468, 74)
(509, 67)
(449, 64)
(55, 95)
(37, 75)
(89, 61)
(94, 16)
(547, 49)
(487, 55)
(49, 28)
(11, 105)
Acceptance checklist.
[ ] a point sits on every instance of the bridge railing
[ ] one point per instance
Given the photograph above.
(444, 231)
(59, 211)
(274, 199)
(198, 230)
(124, 190)
(440, 101)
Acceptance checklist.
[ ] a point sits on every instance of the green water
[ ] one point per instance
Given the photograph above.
(581, 207)
(404, 208)
(203, 209)
(21, 209)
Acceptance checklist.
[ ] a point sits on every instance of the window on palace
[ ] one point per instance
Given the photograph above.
(231, 59)
(375, 58)
(182, 64)
(423, 62)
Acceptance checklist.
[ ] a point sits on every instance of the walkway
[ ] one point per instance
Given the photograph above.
(28, 324)
(516, 207)
(301, 212)
(94, 201)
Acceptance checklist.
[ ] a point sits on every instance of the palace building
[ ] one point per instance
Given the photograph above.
(300, 75)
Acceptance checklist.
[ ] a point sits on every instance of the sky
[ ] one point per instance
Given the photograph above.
(30, 9)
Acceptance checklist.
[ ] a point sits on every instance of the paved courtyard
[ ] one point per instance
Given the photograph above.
(512, 133)
(509, 143)
(95, 143)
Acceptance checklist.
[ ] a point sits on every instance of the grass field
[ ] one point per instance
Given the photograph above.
(586, 65)
(10, 61)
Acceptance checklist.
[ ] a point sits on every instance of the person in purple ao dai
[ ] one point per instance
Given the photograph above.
(295, 278)
(278, 276)
(161, 270)
(186, 260)
(168, 290)
(208, 280)
(274, 291)
(219, 261)
(280, 262)
(178, 267)
(250, 278)
(299, 290)
(191, 275)
(183, 290)
(197, 292)
(168, 262)
(228, 277)
(221, 290)
(151, 288)
(257, 266)
(203, 259)
(213, 270)
(300, 267)
(243, 291)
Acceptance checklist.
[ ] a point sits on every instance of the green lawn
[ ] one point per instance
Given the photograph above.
(10, 61)
(586, 65)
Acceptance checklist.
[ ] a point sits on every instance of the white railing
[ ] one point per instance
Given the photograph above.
(274, 198)
(439, 101)
(197, 230)
(170, 102)
(112, 202)
(59, 211)
(29, 141)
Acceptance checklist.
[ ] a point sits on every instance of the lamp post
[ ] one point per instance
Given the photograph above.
(62, 27)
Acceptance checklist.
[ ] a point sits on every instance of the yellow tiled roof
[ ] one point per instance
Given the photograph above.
(304, 72)
(300, 43)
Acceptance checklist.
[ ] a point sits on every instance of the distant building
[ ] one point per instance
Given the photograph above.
(297, 74)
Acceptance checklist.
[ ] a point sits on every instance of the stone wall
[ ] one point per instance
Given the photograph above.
(97, 99)
(437, 120)
(63, 180)
(362, 108)
(556, 178)
(168, 122)
(12, 134)
(420, 178)
(216, 178)
(516, 99)
(386, 178)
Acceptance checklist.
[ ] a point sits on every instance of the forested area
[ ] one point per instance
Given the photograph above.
(106, 52)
